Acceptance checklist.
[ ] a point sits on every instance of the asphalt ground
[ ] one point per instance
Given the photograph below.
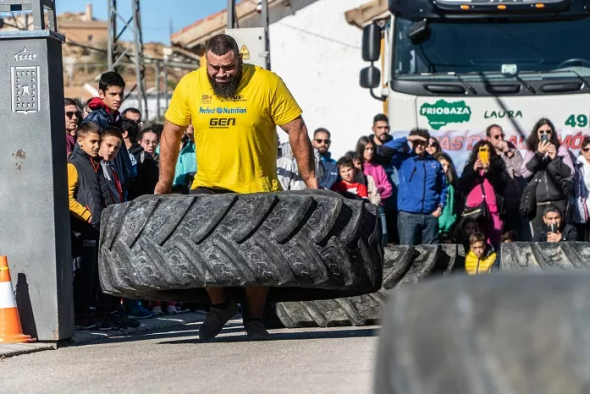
(310, 360)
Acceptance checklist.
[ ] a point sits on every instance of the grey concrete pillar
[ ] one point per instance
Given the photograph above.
(34, 215)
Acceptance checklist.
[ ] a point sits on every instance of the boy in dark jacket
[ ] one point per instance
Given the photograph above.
(554, 228)
(422, 188)
(88, 194)
(105, 113)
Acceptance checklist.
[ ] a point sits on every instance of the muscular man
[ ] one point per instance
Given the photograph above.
(234, 108)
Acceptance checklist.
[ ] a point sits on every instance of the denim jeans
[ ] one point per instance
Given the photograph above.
(383, 225)
(417, 228)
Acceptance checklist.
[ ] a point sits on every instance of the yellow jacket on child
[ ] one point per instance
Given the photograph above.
(475, 265)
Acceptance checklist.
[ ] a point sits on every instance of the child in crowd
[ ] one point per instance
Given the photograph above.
(467, 227)
(446, 238)
(349, 185)
(509, 236)
(367, 180)
(481, 256)
(88, 194)
(112, 139)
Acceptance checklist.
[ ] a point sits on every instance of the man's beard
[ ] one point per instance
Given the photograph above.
(227, 89)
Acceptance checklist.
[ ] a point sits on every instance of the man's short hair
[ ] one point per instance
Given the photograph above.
(110, 78)
(420, 132)
(476, 237)
(380, 118)
(132, 110)
(146, 131)
(344, 161)
(69, 101)
(112, 131)
(131, 127)
(552, 208)
(222, 44)
(87, 128)
(321, 130)
(490, 127)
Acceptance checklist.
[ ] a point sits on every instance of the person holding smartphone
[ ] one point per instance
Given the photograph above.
(483, 182)
(549, 165)
(554, 228)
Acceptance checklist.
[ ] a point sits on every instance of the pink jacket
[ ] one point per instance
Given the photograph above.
(378, 173)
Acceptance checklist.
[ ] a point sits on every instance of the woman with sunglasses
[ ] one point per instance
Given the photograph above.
(433, 146)
(580, 201)
(548, 165)
(483, 183)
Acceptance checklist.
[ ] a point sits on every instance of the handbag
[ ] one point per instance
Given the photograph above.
(528, 201)
(478, 212)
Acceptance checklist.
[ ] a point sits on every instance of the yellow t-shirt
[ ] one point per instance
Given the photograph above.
(235, 139)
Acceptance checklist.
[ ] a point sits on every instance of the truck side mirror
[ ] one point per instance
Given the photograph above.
(370, 77)
(371, 42)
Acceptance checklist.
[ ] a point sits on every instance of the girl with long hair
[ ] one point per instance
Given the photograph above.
(548, 165)
(448, 218)
(365, 148)
(482, 183)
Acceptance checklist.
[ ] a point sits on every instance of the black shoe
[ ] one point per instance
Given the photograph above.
(256, 331)
(215, 320)
(86, 323)
(123, 322)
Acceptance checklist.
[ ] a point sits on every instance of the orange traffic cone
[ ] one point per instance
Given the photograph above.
(10, 328)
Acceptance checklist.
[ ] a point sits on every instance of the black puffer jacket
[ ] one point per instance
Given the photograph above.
(553, 177)
(93, 189)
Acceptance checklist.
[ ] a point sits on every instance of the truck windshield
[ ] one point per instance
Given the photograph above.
(484, 46)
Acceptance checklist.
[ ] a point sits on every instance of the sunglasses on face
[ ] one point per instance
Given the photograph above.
(499, 137)
(432, 145)
(319, 141)
(544, 132)
(69, 114)
(587, 149)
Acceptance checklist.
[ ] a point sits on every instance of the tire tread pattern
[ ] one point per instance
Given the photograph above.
(297, 240)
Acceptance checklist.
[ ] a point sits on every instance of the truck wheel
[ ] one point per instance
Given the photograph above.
(524, 256)
(163, 247)
(401, 265)
(492, 334)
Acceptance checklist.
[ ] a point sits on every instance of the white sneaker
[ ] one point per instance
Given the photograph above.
(157, 310)
(171, 310)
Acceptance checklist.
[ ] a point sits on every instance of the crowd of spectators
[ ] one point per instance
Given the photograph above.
(112, 159)
(499, 196)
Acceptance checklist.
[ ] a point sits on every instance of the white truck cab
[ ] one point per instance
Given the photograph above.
(457, 66)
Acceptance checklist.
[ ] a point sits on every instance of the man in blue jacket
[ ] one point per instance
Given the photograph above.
(422, 191)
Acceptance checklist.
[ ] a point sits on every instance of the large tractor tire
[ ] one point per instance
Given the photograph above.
(304, 245)
(492, 334)
(524, 256)
(401, 265)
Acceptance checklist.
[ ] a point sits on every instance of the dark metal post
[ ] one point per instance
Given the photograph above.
(231, 7)
(158, 109)
(34, 214)
(265, 24)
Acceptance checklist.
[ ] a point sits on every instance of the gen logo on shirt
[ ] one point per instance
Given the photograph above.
(221, 123)
(206, 99)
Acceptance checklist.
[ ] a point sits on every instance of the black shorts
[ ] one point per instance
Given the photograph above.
(206, 190)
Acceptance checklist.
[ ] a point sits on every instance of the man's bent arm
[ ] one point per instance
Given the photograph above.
(302, 150)
(169, 150)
